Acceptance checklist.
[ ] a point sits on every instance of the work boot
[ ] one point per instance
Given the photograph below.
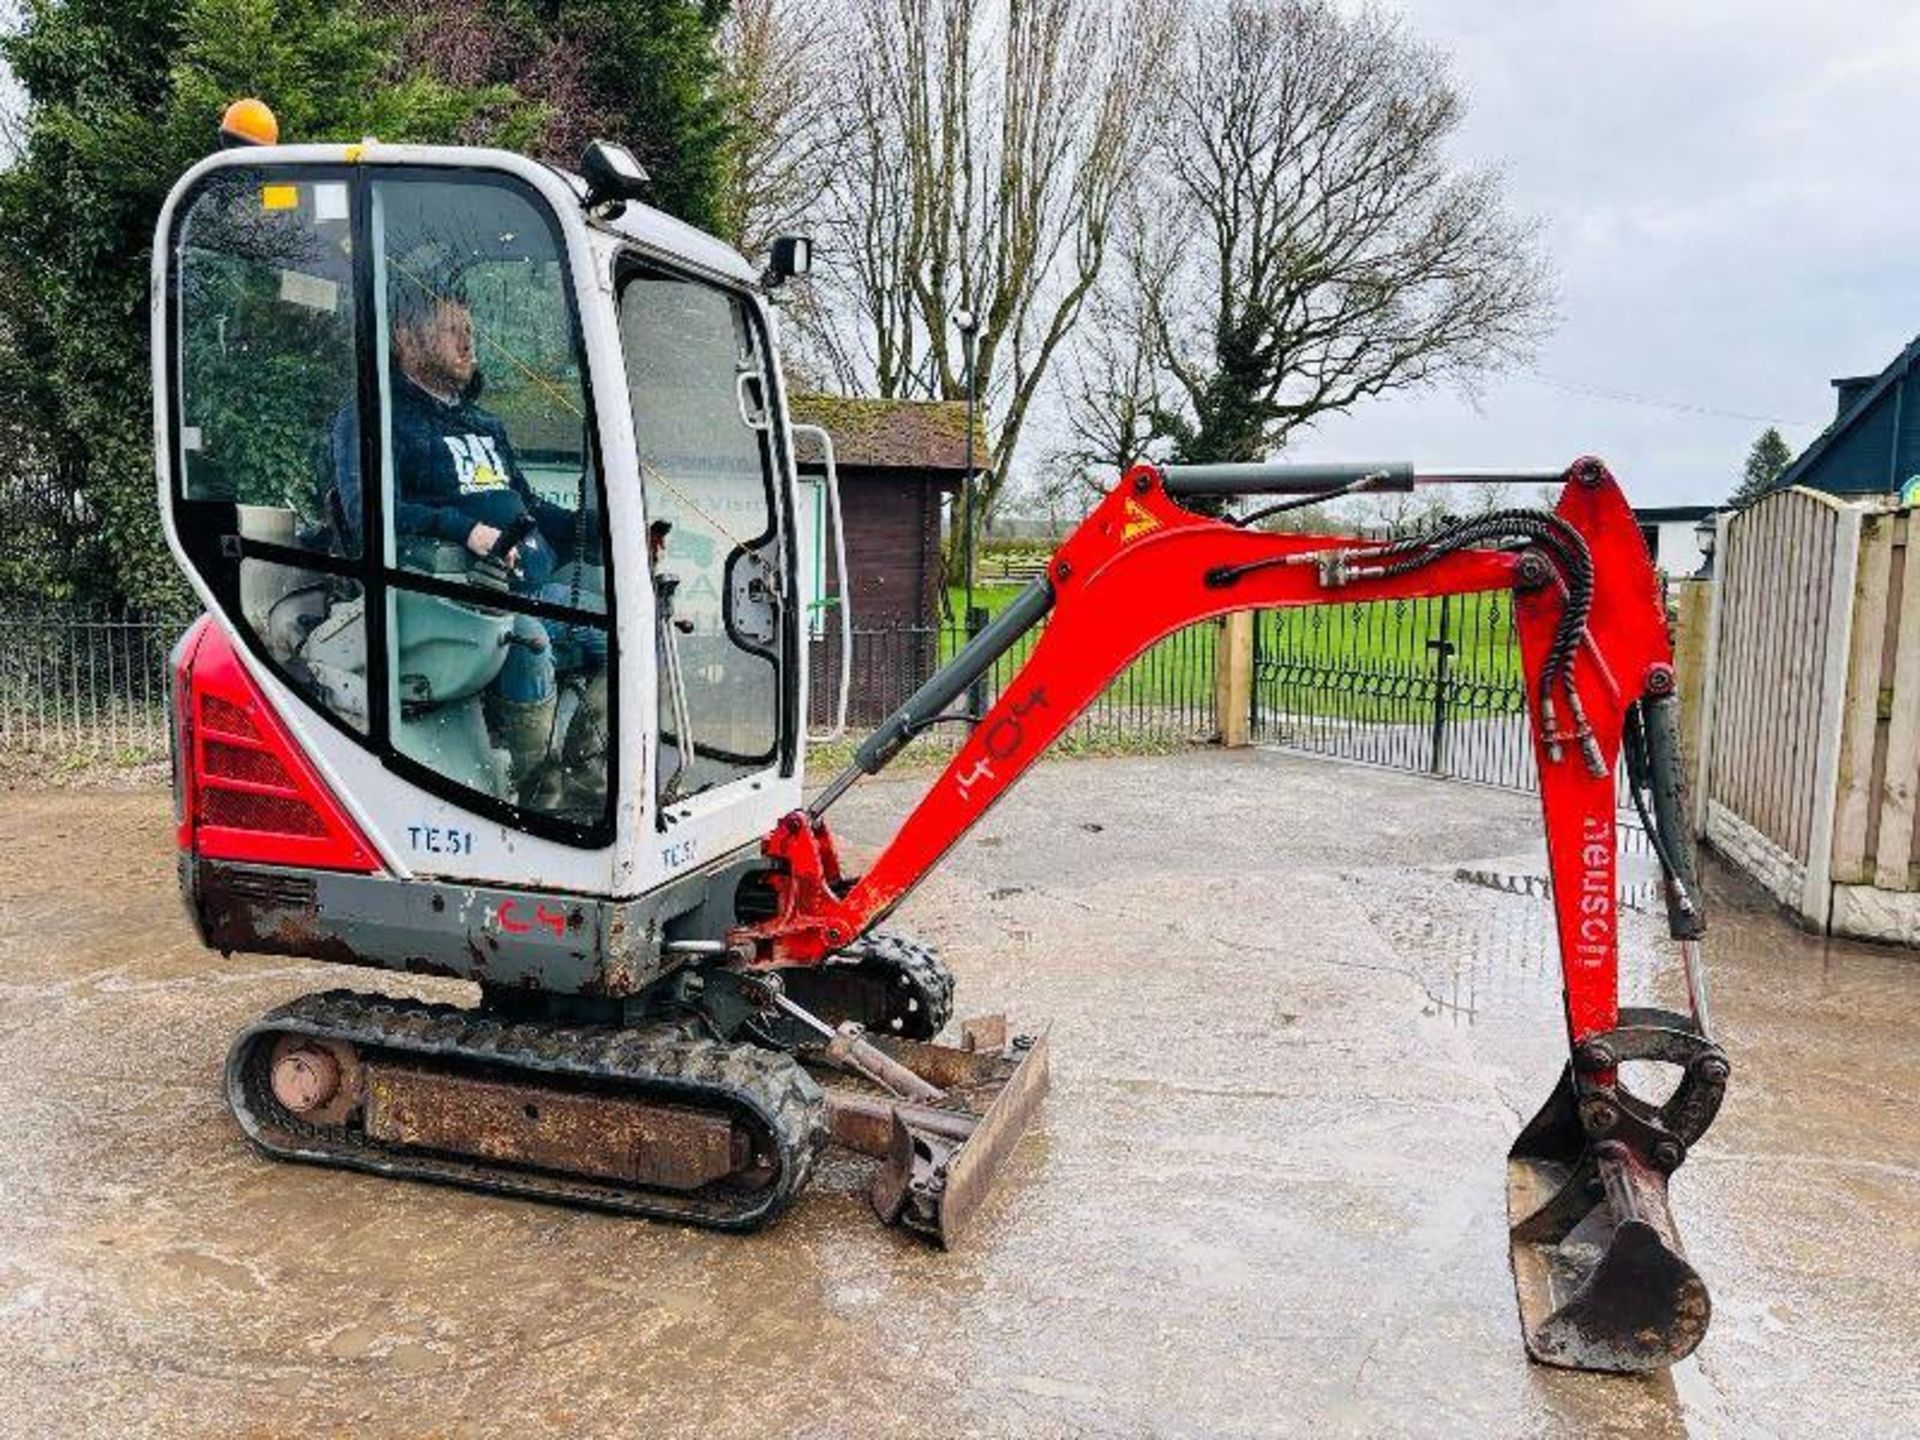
(583, 755)
(525, 728)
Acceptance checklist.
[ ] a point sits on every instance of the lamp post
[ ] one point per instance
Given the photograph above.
(1707, 532)
(968, 324)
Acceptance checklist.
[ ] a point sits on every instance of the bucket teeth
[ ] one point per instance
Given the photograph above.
(1602, 1281)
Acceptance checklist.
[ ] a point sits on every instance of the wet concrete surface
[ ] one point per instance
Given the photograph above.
(1297, 1018)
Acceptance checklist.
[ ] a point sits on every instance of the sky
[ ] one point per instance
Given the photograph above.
(1728, 190)
(1731, 196)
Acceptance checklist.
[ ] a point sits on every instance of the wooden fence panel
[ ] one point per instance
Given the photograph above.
(1811, 733)
(1894, 853)
(1860, 741)
(1772, 658)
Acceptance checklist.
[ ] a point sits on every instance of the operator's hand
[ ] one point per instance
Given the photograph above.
(481, 540)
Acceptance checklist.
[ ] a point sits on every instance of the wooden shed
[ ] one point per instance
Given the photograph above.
(899, 462)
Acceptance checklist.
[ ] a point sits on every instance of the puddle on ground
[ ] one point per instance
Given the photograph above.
(1480, 937)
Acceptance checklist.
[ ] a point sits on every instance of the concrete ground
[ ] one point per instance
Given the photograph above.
(1265, 1197)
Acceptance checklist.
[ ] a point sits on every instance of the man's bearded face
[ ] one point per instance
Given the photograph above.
(438, 352)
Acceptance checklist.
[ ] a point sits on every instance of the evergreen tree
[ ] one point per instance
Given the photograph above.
(656, 69)
(646, 74)
(1769, 456)
(122, 97)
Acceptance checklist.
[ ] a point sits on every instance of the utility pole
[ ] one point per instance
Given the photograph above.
(968, 324)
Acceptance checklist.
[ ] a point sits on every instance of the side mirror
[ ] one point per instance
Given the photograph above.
(613, 176)
(791, 259)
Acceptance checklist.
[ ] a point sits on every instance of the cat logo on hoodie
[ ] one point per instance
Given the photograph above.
(476, 464)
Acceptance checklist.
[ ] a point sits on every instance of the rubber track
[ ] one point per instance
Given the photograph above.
(776, 1095)
(888, 958)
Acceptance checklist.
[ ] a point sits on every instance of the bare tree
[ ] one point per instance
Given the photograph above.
(13, 101)
(1112, 383)
(782, 64)
(1313, 245)
(990, 144)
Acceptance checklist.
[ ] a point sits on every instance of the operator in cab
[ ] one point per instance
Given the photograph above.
(458, 478)
(457, 481)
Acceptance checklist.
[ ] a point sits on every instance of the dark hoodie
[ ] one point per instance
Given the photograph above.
(456, 469)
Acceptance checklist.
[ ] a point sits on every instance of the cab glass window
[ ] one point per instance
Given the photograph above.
(482, 392)
(266, 356)
(496, 586)
(698, 386)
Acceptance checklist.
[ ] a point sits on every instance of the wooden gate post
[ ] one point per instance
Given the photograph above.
(1816, 901)
(1233, 679)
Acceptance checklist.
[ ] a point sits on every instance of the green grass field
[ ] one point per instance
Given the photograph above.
(1370, 663)
(1175, 674)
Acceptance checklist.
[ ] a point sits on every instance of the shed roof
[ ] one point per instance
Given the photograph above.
(891, 434)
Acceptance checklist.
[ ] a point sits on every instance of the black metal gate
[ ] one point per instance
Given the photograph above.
(1433, 684)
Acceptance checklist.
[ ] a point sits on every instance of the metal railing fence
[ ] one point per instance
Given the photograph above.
(1432, 684)
(79, 685)
(1165, 697)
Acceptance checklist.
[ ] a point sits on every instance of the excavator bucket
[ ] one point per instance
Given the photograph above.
(941, 1157)
(1602, 1280)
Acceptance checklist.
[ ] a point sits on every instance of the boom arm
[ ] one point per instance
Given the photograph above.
(1593, 642)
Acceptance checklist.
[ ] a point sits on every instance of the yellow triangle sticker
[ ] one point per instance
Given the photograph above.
(1136, 521)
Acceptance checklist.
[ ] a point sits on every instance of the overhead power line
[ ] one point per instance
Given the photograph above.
(1683, 407)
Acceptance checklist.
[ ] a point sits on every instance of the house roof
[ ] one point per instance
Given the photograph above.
(1810, 456)
(890, 434)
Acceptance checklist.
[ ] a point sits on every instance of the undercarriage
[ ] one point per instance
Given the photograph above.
(711, 1115)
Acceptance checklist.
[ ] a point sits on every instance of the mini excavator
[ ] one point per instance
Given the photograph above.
(484, 475)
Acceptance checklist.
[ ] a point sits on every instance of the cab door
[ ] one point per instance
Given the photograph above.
(712, 468)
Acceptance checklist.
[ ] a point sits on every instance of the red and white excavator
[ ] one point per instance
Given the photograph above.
(484, 474)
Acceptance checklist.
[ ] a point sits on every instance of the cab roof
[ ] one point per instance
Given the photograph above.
(647, 227)
(659, 231)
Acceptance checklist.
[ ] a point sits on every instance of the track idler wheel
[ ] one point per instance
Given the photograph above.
(318, 1080)
(887, 984)
(1602, 1279)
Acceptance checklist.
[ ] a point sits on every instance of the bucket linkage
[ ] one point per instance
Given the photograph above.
(1603, 1282)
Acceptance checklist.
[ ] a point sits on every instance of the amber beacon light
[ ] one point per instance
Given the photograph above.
(249, 122)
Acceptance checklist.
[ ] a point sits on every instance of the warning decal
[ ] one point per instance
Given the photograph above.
(1137, 521)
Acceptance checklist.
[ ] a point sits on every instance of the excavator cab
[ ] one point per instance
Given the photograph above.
(483, 473)
(404, 395)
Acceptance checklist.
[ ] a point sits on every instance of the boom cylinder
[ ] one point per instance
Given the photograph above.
(941, 689)
(1329, 480)
(1181, 480)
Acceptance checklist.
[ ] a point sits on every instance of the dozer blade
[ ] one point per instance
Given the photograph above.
(1602, 1281)
(942, 1159)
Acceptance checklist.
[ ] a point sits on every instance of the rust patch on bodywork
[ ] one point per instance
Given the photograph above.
(608, 1137)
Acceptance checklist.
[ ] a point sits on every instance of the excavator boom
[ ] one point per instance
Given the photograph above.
(1602, 1281)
